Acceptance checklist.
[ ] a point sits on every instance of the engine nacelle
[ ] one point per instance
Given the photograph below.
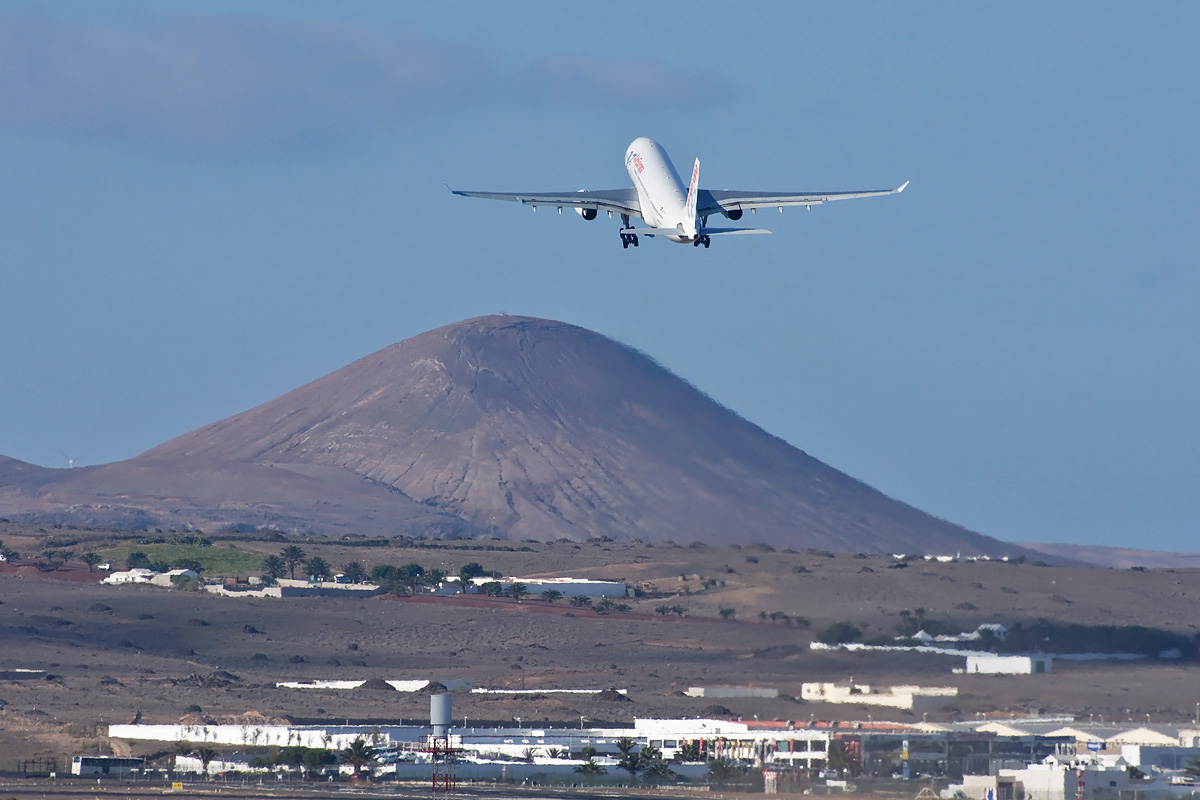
(586, 213)
(734, 214)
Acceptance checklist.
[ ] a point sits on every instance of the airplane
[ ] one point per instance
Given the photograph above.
(659, 199)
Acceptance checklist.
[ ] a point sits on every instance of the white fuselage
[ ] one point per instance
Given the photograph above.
(661, 193)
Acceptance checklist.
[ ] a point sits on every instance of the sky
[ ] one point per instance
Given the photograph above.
(204, 205)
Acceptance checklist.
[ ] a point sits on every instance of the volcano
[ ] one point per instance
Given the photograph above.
(500, 426)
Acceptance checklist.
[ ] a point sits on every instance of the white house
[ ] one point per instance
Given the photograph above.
(135, 575)
(992, 664)
(168, 578)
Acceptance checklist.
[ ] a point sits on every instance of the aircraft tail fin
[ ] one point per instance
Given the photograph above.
(693, 191)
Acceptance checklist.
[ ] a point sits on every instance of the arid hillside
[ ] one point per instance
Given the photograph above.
(509, 427)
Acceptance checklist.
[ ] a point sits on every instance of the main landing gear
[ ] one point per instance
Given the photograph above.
(702, 240)
(627, 238)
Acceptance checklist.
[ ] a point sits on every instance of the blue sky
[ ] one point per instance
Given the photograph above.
(204, 205)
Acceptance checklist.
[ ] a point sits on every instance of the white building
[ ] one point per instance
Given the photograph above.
(245, 735)
(917, 698)
(135, 575)
(168, 578)
(992, 664)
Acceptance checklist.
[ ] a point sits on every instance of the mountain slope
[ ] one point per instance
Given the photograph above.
(538, 429)
(506, 426)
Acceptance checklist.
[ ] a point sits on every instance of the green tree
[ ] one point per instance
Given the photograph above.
(656, 770)
(355, 572)
(843, 758)
(472, 569)
(631, 763)
(581, 601)
(292, 555)
(317, 569)
(491, 588)
(550, 595)
(188, 563)
(516, 590)
(689, 751)
(590, 767)
(410, 576)
(359, 754)
(206, 755)
(274, 566)
(722, 771)
(726, 612)
(89, 558)
(137, 560)
(839, 633)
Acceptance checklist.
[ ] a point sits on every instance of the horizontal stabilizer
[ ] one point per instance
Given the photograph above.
(727, 231)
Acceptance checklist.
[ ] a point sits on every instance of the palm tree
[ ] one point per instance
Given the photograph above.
(657, 770)
(316, 568)
(581, 601)
(491, 588)
(359, 754)
(293, 555)
(689, 751)
(355, 572)
(516, 590)
(590, 767)
(91, 559)
(842, 758)
(722, 770)
(625, 745)
(206, 754)
(631, 763)
(550, 595)
(274, 566)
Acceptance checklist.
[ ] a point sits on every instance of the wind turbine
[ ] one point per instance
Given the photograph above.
(70, 460)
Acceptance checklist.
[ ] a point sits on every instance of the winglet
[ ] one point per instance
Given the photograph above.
(901, 189)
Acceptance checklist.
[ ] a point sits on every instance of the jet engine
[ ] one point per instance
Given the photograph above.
(734, 214)
(586, 213)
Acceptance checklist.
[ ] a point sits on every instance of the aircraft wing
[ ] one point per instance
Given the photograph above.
(623, 201)
(716, 200)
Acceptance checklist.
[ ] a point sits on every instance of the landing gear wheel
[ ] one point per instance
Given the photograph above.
(624, 242)
(707, 241)
(635, 239)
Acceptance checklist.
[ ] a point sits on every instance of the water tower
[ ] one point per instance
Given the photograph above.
(441, 749)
